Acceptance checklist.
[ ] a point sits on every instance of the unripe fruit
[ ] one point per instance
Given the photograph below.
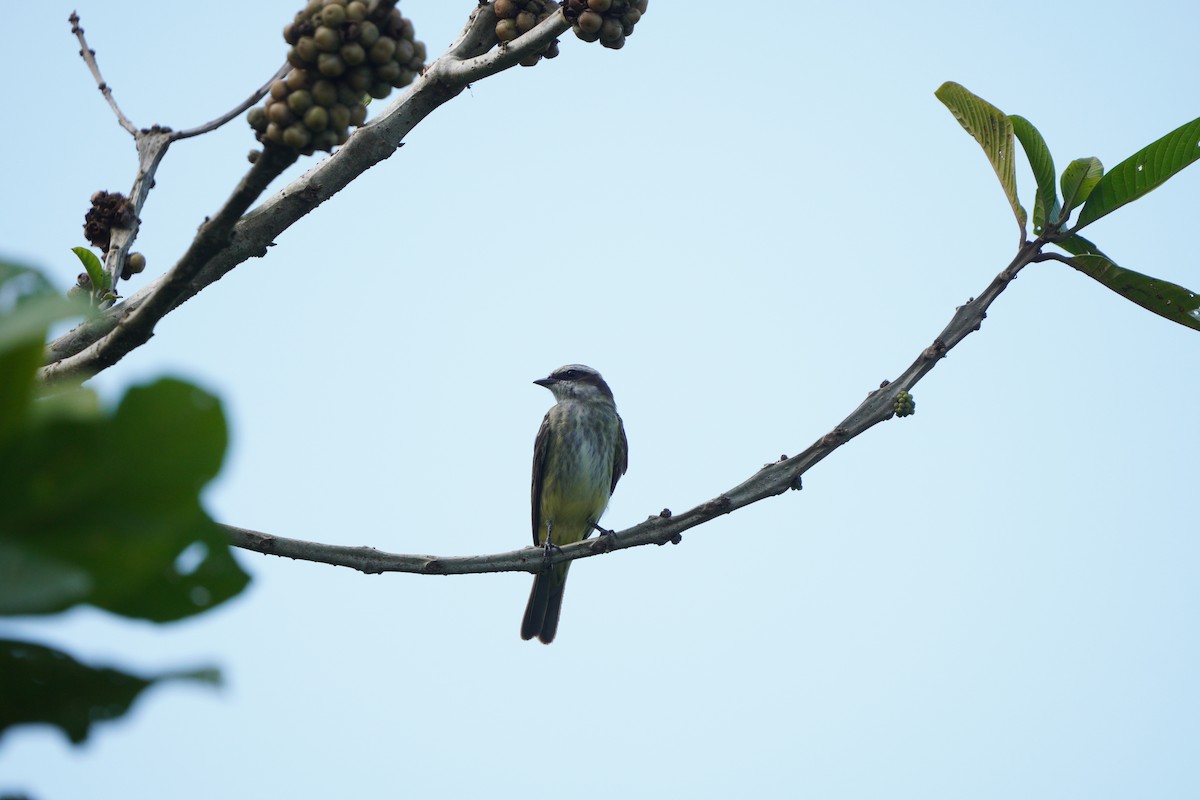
(135, 263)
(589, 22)
(257, 117)
(368, 33)
(333, 15)
(316, 119)
(359, 79)
(330, 65)
(353, 54)
(383, 50)
(300, 101)
(339, 116)
(584, 35)
(274, 133)
(388, 72)
(611, 30)
(380, 90)
(506, 30)
(599, 6)
(324, 93)
(505, 9)
(307, 49)
(325, 140)
(525, 22)
(296, 79)
(358, 114)
(405, 52)
(327, 39)
(296, 136)
(356, 11)
(279, 89)
(279, 114)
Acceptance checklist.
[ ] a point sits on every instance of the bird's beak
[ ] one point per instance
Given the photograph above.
(547, 382)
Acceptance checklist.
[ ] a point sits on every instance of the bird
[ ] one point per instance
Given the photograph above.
(579, 455)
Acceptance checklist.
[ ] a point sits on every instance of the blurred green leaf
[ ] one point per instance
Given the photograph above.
(1079, 179)
(993, 130)
(44, 685)
(103, 507)
(1162, 297)
(1143, 172)
(1045, 206)
(116, 497)
(28, 305)
(95, 269)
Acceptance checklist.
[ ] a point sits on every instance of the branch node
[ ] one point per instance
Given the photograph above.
(935, 351)
(717, 506)
(603, 544)
(834, 437)
(797, 483)
(664, 514)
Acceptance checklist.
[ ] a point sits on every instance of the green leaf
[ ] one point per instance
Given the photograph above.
(1079, 179)
(28, 305)
(46, 686)
(95, 269)
(1143, 172)
(1162, 297)
(993, 130)
(104, 508)
(1045, 206)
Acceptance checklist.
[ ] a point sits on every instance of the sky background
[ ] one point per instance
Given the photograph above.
(746, 220)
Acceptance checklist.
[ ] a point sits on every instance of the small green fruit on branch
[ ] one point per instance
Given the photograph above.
(606, 21)
(517, 17)
(341, 54)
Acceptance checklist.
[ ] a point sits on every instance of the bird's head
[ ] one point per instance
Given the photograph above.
(576, 382)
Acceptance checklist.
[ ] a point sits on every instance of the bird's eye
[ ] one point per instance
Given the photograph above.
(571, 374)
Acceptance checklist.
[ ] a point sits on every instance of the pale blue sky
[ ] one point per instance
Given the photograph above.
(746, 219)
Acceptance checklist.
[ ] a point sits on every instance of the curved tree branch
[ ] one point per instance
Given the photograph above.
(769, 481)
(89, 58)
(237, 110)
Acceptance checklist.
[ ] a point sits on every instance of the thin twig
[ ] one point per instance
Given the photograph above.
(769, 481)
(89, 58)
(235, 112)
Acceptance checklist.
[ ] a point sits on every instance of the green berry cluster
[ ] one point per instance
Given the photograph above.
(904, 406)
(606, 21)
(515, 17)
(342, 51)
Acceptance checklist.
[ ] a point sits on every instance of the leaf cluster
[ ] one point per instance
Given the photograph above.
(1085, 186)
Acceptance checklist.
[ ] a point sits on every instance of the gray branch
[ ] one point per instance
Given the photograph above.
(769, 481)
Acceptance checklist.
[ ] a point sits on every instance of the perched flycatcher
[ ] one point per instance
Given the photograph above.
(579, 456)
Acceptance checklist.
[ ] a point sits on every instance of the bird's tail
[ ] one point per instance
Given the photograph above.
(545, 605)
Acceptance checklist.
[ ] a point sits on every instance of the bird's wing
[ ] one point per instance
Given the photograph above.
(621, 458)
(540, 447)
